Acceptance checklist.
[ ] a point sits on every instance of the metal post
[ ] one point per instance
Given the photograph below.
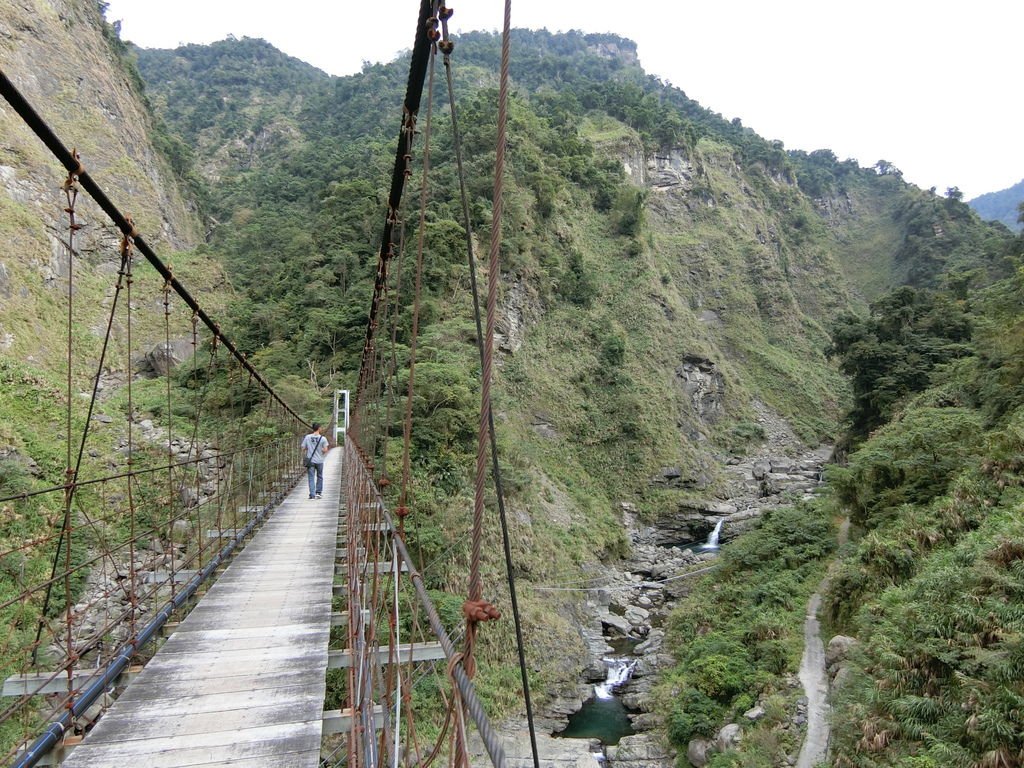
(341, 415)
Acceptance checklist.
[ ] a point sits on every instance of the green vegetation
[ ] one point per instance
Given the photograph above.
(607, 287)
(893, 353)
(933, 589)
(739, 632)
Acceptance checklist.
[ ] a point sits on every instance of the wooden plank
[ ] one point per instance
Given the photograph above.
(242, 680)
(39, 683)
(268, 744)
(340, 720)
(154, 690)
(344, 531)
(381, 566)
(403, 654)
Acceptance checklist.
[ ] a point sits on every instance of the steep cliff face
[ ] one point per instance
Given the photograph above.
(722, 296)
(58, 54)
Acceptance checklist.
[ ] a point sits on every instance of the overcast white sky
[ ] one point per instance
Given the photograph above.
(932, 86)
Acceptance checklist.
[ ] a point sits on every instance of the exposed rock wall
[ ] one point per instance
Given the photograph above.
(56, 54)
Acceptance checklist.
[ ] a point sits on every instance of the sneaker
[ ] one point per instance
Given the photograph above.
(319, 496)
(311, 497)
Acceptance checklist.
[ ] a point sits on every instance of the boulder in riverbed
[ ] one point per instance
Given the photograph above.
(698, 752)
(644, 750)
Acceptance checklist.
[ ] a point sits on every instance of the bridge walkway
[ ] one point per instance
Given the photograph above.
(241, 682)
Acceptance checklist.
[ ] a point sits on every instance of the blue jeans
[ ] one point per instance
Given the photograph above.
(315, 475)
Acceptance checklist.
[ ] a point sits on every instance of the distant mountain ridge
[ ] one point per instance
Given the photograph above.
(1002, 206)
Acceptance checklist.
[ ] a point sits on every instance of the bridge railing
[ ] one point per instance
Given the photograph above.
(386, 669)
(79, 601)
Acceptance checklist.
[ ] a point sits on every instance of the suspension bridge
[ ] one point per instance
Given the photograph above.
(188, 602)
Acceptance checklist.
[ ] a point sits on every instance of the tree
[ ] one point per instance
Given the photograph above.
(909, 461)
(885, 168)
(892, 353)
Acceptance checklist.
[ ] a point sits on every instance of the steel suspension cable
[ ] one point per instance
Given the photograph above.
(410, 109)
(417, 294)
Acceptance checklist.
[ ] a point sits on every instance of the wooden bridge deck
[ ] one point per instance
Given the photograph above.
(241, 682)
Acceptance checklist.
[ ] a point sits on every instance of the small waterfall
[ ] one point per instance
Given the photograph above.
(712, 542)
(619, 671)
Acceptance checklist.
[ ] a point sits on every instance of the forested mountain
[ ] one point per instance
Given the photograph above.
(1003, 206)
(671, 284)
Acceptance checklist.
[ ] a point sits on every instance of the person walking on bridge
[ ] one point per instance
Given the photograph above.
(314, 449)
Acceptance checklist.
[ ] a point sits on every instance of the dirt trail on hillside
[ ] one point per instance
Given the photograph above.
(814, 677)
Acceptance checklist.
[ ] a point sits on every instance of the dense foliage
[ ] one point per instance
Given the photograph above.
(892, 353)
(933, 591)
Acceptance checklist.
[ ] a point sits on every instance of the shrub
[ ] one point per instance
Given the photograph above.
(694, 715)
(909, 461)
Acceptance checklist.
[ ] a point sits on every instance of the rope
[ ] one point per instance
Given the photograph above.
(447, 47)
(475, 605)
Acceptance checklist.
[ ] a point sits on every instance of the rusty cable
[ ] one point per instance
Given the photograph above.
(70, 189)
(486, 375)
(447, 47)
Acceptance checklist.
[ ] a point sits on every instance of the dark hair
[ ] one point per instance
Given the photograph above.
(316, 426)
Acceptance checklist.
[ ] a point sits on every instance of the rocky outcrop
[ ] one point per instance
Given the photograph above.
(704, 387)
(10, 455)
(699, 751)
(625, 50)
(836, 659)
(697, 478)
(80, 65)
(518, 308)
(728, 737)
(543, 424)
(641, 751)
(57, 55)
(165, 357)
(670, 171)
